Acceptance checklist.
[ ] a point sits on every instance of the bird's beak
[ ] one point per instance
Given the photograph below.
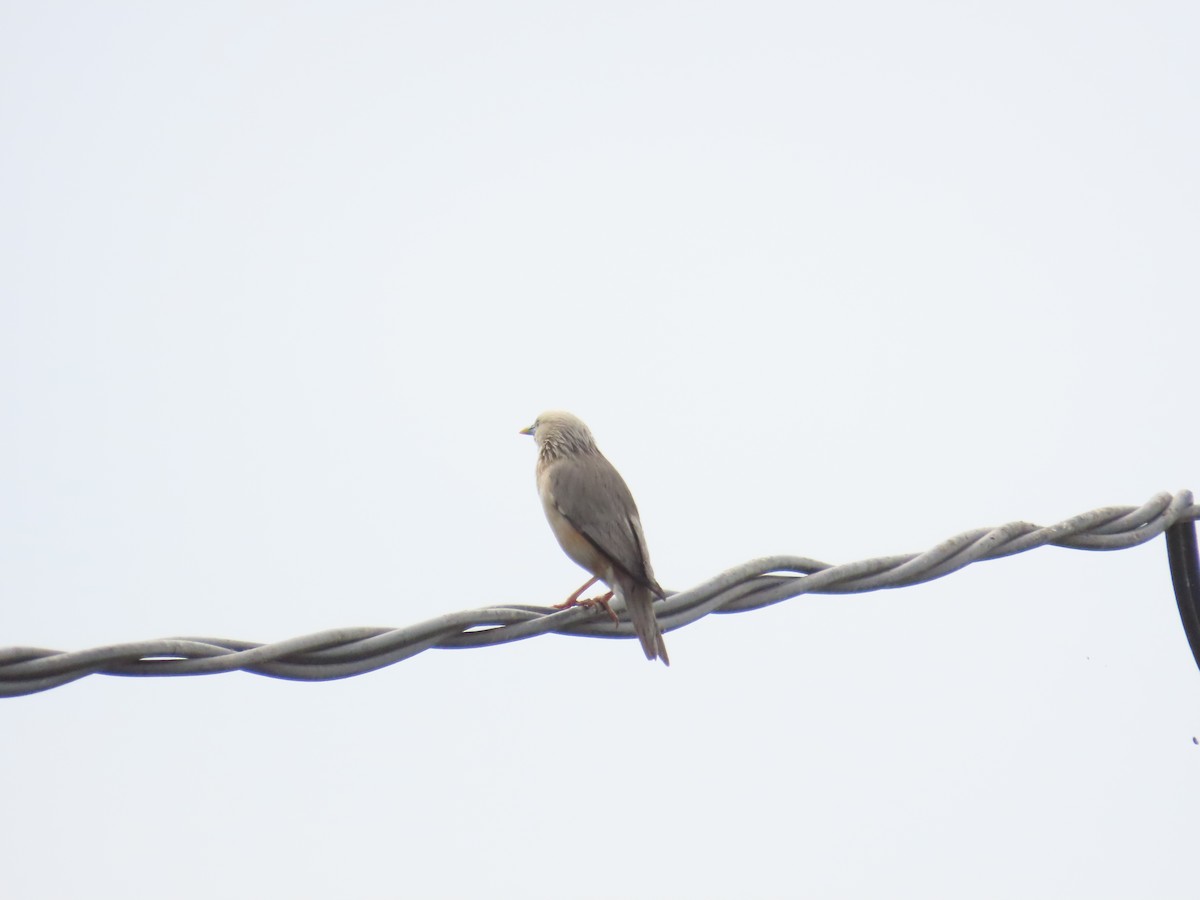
(528, 431)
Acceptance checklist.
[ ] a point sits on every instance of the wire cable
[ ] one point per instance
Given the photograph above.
(344, 652)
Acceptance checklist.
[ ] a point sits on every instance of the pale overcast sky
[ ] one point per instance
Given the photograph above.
(280, 282)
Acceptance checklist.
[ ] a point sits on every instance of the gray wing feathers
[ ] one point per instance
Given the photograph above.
(636, 525)
(591, 494)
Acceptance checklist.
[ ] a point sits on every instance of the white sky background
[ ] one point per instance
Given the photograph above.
(281, 282)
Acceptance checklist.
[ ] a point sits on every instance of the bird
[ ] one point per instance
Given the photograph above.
(593, 516)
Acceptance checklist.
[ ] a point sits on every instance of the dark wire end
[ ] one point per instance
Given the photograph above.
(1185, 578)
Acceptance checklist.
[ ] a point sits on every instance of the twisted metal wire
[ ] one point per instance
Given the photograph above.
(343, 652)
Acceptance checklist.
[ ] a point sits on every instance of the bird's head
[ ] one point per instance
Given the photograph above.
(561, 431)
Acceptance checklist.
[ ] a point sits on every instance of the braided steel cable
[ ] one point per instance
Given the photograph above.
(343, 652)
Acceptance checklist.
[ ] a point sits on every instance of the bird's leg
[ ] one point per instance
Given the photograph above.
(573, 600)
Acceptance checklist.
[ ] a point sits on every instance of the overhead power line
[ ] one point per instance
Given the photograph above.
(343, 652)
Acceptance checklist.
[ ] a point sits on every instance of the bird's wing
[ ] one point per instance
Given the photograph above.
(636, 523)
(593, 497)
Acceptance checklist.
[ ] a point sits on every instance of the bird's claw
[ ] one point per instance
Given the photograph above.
(592, 603)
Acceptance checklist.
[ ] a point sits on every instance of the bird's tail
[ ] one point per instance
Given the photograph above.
(639, 600)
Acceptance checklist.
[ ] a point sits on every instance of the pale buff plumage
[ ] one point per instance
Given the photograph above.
(592, 513)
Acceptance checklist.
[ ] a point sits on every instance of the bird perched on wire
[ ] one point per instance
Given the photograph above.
(593, 515)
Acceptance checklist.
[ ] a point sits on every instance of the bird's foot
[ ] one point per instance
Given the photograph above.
(591, 603)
